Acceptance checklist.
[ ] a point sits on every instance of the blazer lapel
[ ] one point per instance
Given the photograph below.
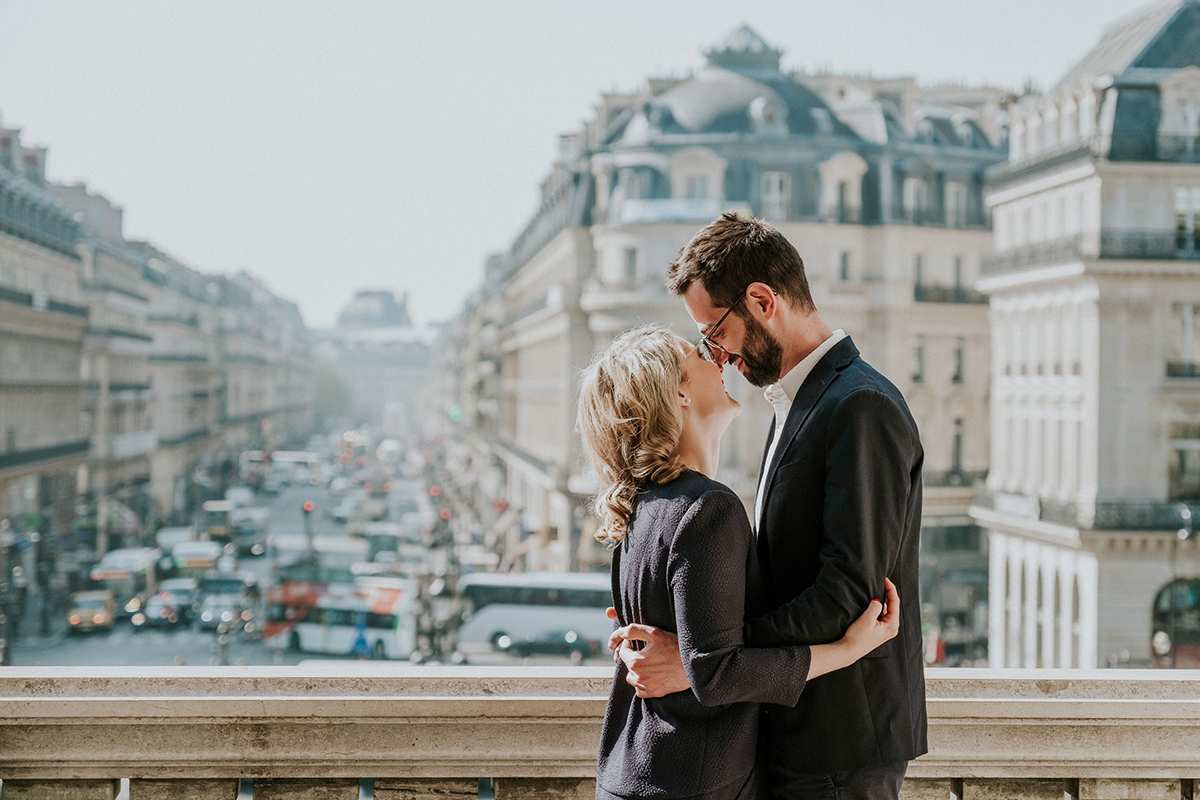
(814, 386)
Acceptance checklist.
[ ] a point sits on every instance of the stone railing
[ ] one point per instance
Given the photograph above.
(313, 731)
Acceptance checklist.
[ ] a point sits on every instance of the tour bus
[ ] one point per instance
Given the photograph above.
(1175, 625)
(372, 617)
(530, 612)
(128, 573)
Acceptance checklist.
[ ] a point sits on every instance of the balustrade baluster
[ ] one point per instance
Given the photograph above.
(305, 789)
(15, 789)
(220, 789)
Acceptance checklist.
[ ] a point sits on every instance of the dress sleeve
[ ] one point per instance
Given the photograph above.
(707, 572)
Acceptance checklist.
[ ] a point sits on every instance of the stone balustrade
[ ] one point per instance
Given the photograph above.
(431, 732)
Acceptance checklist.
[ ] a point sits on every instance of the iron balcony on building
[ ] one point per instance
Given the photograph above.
(1111, 244)
(936, 293)
(1110, 515)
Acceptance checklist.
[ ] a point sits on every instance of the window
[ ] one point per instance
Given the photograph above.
(1184, 349)
(844, 265)
(1187, 205)
(958, 272)
(10, 439)
(631, 265)
(697, 187)
(956, 205)
(634, 185)
(918, 359)
(776, 195)
(1183, 470)
(960, 352)
(918, 270)
(916, 199)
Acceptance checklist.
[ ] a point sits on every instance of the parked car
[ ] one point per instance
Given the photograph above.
(91, 611)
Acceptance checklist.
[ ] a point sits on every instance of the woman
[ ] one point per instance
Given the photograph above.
(652, 413)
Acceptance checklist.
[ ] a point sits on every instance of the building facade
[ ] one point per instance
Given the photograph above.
(44, 443)
(1095, 404)
(877, 183)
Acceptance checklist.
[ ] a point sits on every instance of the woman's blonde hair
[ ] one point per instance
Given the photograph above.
(630, 420)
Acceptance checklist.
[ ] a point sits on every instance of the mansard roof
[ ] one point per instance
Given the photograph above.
(1163, 35)
(29, 212)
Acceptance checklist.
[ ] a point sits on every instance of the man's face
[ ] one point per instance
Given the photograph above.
(740, 339)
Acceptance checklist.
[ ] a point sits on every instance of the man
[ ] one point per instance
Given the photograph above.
(838, 509)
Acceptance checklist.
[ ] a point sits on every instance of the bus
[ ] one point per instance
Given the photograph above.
(372, 617)
(128, 573)
(216, 519)
(195, 559)
(528, 612)
(1175, 625)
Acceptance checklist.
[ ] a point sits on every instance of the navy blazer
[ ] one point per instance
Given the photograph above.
(842, 511)
(686, 565)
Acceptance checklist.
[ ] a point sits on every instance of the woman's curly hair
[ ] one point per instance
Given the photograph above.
(630, 421)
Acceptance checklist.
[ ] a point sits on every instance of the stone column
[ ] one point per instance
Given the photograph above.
(1029, 616)
(1012, 657)
(1066, 610)
(998, 598)
(1089, 617)
(1049, 568)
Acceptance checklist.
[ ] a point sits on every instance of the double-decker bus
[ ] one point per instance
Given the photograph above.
(317, 610)
(1175, 625)
(530, 612)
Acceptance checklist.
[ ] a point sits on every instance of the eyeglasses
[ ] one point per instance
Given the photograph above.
(707, 348)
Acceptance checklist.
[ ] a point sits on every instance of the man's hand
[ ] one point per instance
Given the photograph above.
(655, 670)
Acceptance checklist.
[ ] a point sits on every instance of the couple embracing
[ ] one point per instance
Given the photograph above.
(769, 657)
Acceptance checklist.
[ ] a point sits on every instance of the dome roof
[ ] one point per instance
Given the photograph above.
(741, 90)
(720, 100)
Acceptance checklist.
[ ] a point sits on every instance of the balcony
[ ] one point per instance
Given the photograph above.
(315, 730)
(1122, 244)
(935, 293)
(1113, 515)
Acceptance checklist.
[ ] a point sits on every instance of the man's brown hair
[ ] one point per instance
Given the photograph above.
(733, 252)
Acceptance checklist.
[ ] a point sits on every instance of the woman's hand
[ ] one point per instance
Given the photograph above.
(879, 623)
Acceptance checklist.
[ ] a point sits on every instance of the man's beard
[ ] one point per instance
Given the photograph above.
(761, 353)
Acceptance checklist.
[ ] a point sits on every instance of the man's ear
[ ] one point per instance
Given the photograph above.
(762, 299)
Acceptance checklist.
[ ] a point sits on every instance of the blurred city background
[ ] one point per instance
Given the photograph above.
(366, 447)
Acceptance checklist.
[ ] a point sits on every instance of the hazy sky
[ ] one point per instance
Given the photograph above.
(329, 146)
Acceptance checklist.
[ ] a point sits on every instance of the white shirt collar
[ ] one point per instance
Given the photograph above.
(790, 384)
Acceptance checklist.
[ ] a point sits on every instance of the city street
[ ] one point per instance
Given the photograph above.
(126, 646)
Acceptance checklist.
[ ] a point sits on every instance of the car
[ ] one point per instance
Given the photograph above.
(567, 643)
(171, 606)
(91, 611)
(224, 608)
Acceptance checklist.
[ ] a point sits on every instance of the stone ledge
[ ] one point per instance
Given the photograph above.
(354, 720)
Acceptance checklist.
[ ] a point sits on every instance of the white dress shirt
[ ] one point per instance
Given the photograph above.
(780, 395)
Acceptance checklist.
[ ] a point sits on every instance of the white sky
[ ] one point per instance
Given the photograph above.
(350, 143)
